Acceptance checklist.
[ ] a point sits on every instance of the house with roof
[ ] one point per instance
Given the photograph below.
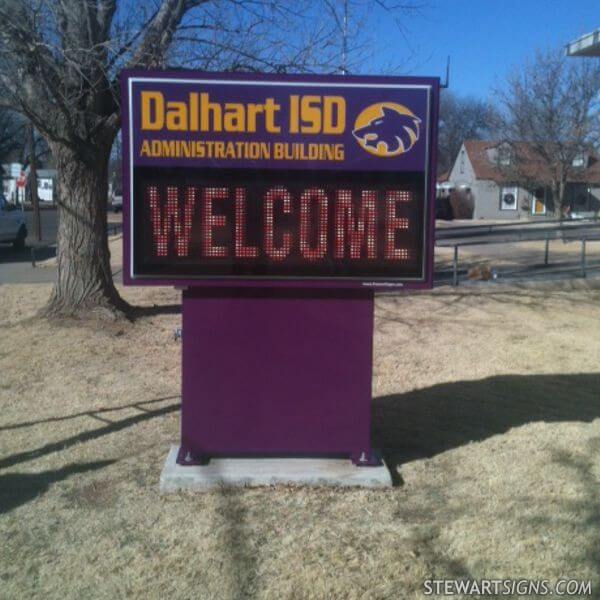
(494, 180)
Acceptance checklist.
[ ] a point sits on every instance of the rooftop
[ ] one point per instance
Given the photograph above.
(530, 163)
(586, 45)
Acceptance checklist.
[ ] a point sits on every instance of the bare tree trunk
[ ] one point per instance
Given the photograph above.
(33, 185)
(558, 192)
(561, 195)
(84, 279)
(557, 199)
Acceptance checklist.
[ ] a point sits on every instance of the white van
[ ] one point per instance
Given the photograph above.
(12, 224)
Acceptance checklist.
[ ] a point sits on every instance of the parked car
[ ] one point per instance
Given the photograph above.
(116, 200)
(12, 224)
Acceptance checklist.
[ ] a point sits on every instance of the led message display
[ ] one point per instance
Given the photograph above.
(324, 179)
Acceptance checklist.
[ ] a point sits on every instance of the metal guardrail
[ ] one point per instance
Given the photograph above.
(584, 240)
(504, 228)
(566, 236)
(584, 233)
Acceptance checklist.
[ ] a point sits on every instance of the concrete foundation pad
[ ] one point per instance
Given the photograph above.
(252, 472)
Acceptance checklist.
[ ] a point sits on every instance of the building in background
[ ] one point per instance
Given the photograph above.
(46, 183)
(586, 45)
(10, 173)
(484, 185)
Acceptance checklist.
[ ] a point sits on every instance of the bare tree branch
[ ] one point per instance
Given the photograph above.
(59, 66)
(552, 105)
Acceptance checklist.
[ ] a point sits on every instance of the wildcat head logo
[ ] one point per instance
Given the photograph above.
(386, 129)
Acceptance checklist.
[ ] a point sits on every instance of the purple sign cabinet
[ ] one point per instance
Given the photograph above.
(279, 204)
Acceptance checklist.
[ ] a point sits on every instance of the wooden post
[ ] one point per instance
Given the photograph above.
(546, 251)
(583, 260)
(455, 267)
(32, 182)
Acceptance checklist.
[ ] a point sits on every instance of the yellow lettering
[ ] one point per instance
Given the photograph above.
(270, 109)
(253, 110)
(311, 114)
(152, 110)
(220, 150)
(193, 111)
(234, 118)
(145, 149)
(209, 107)
(334, 124)
(177, 117)
(294, 114)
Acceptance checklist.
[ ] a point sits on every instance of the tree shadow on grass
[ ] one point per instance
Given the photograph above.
(240, 558)
(139, 312)
(94, 413)
(587, 506)
(17, 489)
(86, 436)
(423, 423)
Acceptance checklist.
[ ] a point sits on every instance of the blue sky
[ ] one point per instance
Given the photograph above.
(484, 38)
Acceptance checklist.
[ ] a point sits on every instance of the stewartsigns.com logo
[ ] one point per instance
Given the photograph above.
(386, 129)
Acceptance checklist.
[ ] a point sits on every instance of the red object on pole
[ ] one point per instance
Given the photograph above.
(21, 180)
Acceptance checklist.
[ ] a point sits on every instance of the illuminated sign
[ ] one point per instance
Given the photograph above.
(277, 178)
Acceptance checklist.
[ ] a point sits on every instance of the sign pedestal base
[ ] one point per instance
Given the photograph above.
(248, 472)
(276, 372)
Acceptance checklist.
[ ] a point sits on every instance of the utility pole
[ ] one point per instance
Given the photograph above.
(345, 40)
(33, 186)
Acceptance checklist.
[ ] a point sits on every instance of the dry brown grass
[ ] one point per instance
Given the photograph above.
(487, 398)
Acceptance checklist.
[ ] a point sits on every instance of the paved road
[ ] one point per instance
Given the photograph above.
(49, 219)
(15, 265)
